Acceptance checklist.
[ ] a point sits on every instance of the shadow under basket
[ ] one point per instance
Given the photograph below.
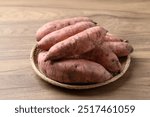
(125, 62)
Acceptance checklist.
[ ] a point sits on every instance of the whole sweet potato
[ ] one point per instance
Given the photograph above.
(73, 71)
(56, 25)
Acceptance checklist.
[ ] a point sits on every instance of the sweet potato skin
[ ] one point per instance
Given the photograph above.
(77, 44)
(52, 38)
(56, 25)
(73, 71)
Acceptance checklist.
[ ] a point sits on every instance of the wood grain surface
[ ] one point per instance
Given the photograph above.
(19, 20)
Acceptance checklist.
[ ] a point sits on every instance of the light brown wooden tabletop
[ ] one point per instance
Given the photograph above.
(19, 20)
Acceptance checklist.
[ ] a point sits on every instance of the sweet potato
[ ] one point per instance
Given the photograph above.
(120, 48)
(77, 44)
(57, 24)
(73, 71)
(104, 56)
(52, 38)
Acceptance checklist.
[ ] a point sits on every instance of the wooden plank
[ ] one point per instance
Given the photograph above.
(128, 5)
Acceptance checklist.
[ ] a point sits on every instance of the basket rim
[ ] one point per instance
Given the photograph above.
(69, 86)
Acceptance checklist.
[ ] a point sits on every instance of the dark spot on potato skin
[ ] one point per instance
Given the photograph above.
(76, 65)
(121, 40)
(55, 27)
(72, 76)
(107, 54)
(113, 60)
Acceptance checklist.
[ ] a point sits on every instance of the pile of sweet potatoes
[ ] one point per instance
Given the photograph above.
(77, 50)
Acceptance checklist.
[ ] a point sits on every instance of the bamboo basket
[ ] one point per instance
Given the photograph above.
(125, 62)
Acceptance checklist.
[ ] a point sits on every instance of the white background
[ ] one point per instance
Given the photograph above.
(7, 108)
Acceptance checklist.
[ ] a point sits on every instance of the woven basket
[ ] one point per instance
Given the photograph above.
(125, 62)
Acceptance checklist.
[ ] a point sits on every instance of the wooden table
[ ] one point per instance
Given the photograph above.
(20, 19)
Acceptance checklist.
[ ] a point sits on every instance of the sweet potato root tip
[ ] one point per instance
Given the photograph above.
(126, 41)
